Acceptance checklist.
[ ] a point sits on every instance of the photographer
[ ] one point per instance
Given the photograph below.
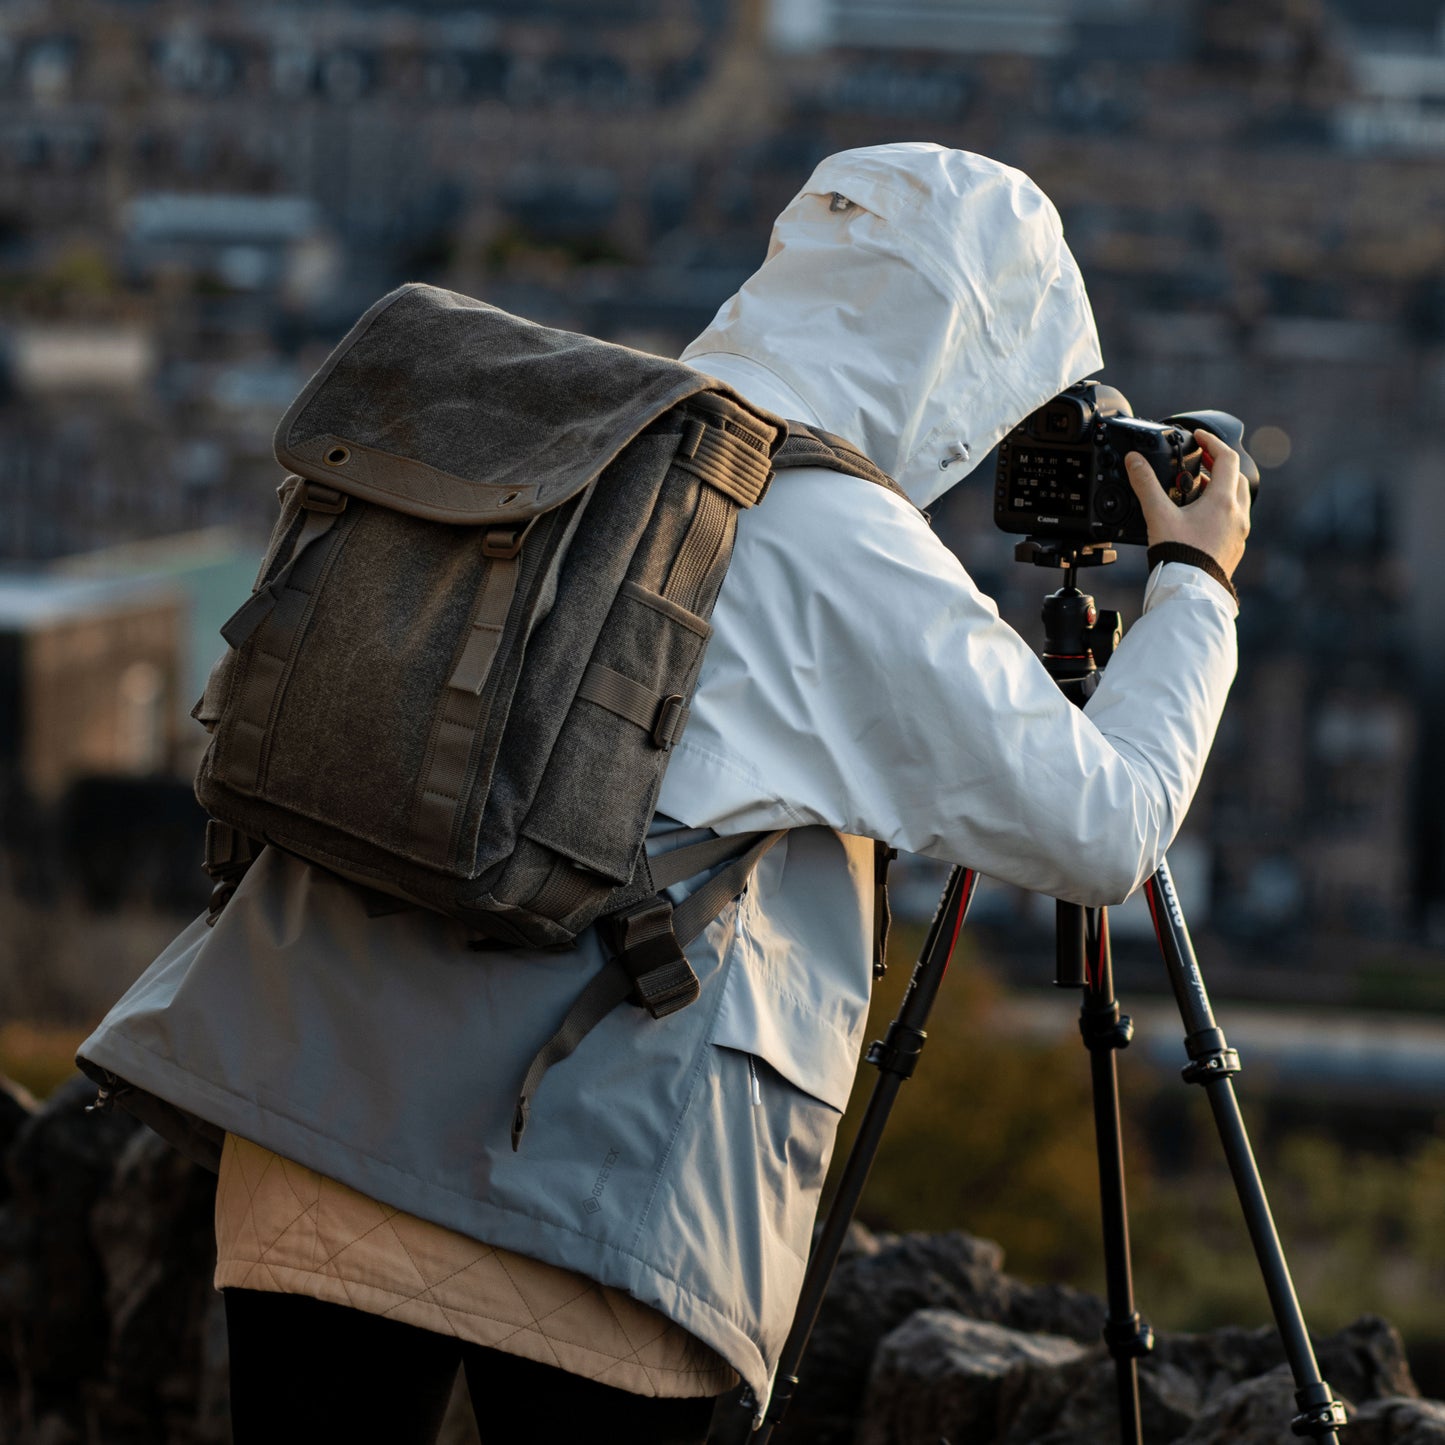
(650, 1237)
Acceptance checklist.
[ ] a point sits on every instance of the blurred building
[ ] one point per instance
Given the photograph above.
(89, 676)
(195, 203)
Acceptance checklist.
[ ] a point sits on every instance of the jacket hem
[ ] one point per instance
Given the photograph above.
(609, 1264)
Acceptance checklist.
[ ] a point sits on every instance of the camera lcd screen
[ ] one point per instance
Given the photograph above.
(1051, 480)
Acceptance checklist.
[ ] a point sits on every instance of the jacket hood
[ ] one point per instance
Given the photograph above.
(920, 301)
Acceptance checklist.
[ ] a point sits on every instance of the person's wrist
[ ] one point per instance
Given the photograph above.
(1192, 557)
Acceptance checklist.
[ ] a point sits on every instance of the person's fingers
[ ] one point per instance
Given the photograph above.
(1222, 462)
(1152, 500)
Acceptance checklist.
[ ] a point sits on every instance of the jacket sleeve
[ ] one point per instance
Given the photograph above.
(858, 679)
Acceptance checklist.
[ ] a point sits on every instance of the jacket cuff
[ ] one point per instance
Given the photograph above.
(1191, 557)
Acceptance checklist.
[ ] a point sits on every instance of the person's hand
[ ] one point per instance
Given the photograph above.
(1216, 522)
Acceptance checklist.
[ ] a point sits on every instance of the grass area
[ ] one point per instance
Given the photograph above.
(1400, 986)
(61, 968)
(39, 1057)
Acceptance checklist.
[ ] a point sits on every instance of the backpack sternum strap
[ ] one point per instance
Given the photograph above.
(646, 944)
(649, 967)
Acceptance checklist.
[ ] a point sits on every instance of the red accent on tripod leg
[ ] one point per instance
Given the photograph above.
(1152, 900)
(965, 897)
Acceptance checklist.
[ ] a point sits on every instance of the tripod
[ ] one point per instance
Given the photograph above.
(1078, 641)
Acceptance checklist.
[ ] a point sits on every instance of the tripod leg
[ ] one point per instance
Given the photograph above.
(1105, 1031)
(1212, 1064)
(895, 1057)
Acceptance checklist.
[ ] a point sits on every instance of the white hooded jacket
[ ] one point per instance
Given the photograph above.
(919, 302)
(857, 685)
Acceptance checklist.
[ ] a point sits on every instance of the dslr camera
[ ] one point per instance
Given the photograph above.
(1061, 469)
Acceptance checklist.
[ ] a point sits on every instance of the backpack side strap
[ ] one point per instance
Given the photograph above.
(648, 966)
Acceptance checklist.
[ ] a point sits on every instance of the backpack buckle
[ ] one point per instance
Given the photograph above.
(229, 853)
(318, 498)
(505, 542)
(647, 947)
(671, 719)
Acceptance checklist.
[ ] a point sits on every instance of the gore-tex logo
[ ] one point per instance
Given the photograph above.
(593, 1203)
(1172, 899)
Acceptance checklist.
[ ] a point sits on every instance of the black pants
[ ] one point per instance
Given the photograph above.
(306, 1371)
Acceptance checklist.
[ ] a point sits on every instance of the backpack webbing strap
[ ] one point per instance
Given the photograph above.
(699, 908)
(811, 446)
(501, 545)
(708, 534)
(728, 455)
(662, 718)
(733, 459)
(677, 865)
(229, 853)
(649, 967)
(567, 887)
(322, 506)
(440, 788)
(289, 599)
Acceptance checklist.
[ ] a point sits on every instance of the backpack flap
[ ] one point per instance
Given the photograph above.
(446, 408)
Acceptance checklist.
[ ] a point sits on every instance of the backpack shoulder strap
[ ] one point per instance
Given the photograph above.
(811, 446)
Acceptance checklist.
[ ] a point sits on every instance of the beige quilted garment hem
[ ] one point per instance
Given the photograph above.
(285, 1228)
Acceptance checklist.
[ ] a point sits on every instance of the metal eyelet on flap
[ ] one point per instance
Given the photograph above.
(337, 456)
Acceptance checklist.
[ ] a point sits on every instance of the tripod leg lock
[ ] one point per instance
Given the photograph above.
(897, 1053)
(1129, 1339)
(1320, 1413)
(1210, 1056)
(1105, 1028)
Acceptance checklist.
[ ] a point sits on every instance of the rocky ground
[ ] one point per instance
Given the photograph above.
(110, 1331)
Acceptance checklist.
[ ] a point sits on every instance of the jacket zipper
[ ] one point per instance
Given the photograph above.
(757, 1089)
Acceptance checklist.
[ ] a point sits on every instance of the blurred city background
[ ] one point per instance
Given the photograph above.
(196, 200)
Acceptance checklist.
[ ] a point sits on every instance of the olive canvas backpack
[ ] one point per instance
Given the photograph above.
(476, 631)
